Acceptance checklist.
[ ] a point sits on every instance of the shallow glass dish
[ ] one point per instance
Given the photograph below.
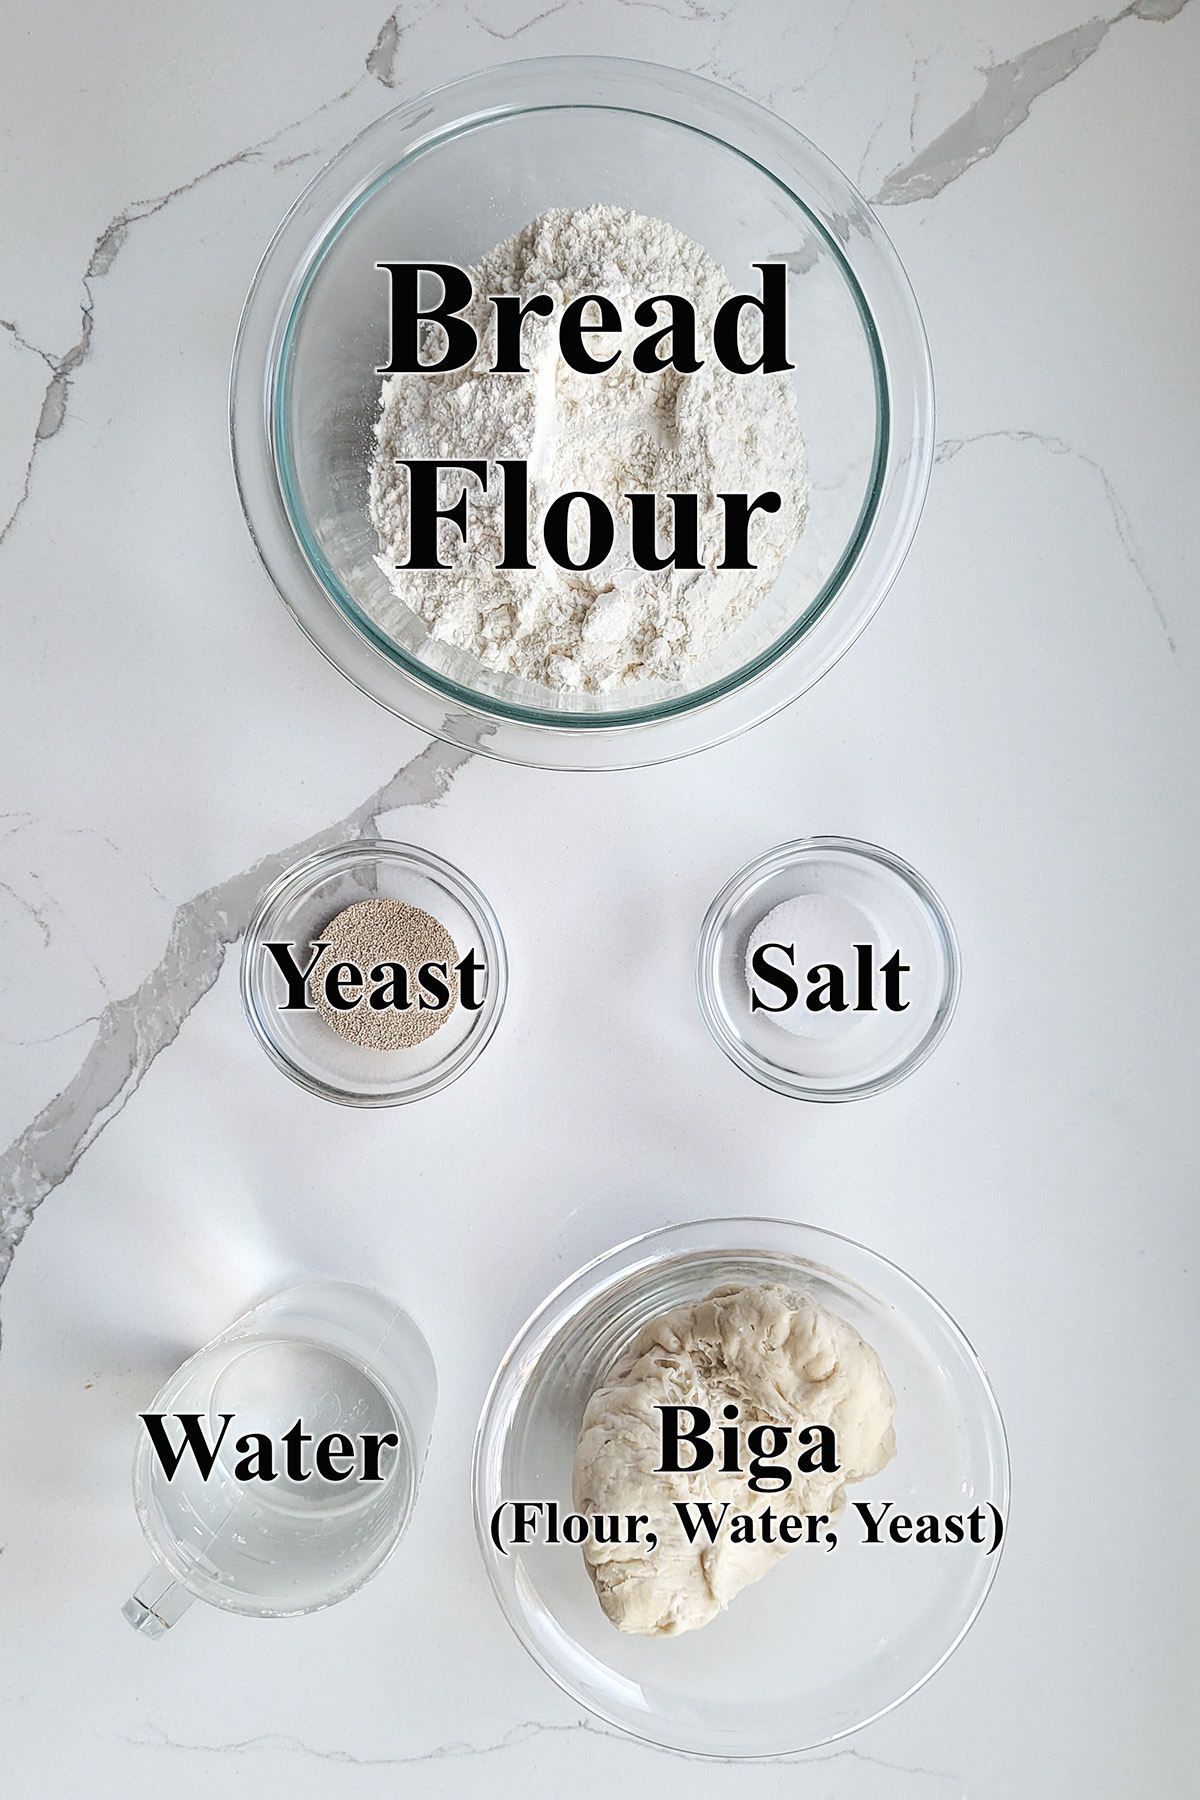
(445, 178)
(298, 907)
(826, 1641)
(868, 1050)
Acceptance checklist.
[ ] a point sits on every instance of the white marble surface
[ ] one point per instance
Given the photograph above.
(1020, 722)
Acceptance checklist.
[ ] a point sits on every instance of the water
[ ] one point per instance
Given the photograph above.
(304, 1538)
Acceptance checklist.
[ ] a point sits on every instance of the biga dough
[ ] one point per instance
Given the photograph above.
(781, 1360)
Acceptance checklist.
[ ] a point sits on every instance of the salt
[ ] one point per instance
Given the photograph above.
(819, 929)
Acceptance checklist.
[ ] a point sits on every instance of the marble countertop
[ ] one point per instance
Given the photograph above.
(1020, 722)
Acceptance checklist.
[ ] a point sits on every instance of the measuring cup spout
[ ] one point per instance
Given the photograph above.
(156, 1603)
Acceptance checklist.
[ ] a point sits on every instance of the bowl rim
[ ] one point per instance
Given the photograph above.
(775, 1075)
(549, 1318)
(868, 565)
(300, 878)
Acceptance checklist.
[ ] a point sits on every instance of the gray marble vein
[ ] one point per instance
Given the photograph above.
(692, 12)
(36, 913)
(154, 1737)
(813, 75)
(133, 1030)
(526, 24)
(381, 62)
(105, 251)
(949, 448)
(1009, 91)
(380, 65)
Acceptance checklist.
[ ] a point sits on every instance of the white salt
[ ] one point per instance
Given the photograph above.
(820, 929)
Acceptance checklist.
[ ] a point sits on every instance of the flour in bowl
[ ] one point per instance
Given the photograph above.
(708, 433)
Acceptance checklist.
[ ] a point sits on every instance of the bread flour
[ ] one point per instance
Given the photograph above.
(609, 434)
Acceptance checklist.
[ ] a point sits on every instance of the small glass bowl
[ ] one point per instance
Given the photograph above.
(870, 1050)
(825, 1642)
(445, 178)
(297, 908)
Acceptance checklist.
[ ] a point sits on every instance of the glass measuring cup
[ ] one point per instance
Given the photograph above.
(277, 1468)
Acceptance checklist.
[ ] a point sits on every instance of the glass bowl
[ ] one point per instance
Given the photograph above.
(296, 910)
(445, 178)
(826, 1641)
(865, 1048)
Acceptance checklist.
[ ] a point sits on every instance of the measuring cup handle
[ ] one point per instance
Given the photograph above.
(156, 1603)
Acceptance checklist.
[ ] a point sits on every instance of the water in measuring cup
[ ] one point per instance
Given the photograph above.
(304, 1538)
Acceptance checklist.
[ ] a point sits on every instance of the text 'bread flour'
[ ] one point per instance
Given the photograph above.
(601, 435)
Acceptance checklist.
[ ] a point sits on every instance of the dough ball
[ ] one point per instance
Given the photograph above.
(781, 1359)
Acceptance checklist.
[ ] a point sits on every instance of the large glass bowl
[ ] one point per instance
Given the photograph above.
(445, 178)
(825, 1641)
